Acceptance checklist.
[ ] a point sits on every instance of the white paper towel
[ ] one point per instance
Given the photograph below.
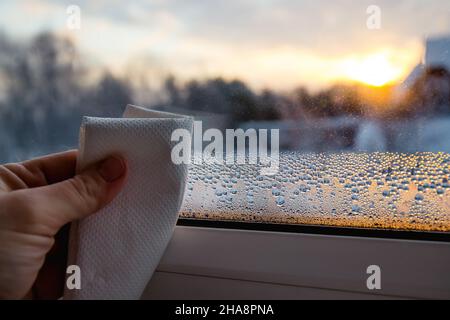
(119, 247)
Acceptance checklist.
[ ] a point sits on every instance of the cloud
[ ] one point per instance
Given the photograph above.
(267, 42)
(314, 24)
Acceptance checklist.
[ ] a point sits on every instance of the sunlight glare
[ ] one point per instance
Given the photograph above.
(375, 70)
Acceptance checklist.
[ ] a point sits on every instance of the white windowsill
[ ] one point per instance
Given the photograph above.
(210, 263)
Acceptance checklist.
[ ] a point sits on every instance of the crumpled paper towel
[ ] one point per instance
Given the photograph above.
(119, 247)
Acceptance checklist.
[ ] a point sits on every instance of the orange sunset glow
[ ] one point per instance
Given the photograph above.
(267, 45)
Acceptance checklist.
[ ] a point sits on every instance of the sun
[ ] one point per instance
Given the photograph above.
(375, 70)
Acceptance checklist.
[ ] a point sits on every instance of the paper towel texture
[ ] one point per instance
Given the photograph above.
(119, 247)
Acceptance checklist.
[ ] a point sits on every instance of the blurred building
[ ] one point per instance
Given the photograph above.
(424, 100)
(436, 55)
(209, 120)
(437, 52)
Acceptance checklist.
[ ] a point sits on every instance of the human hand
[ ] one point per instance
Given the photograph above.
(38, 198)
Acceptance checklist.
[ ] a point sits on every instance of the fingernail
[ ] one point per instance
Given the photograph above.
(112, 169)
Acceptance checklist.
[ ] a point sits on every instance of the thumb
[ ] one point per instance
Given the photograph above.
(55, 205)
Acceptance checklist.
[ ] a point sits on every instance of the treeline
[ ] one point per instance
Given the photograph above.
(46, 87)
(45, 90)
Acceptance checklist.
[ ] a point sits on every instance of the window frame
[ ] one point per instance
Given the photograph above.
(318, 229)
(215, 263)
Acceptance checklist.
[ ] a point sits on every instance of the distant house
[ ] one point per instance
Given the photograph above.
(426, 90)
(436, 55)
(426, 94)
(437, 52)
(209, 120)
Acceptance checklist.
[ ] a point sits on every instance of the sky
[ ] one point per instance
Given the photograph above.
(267, 43)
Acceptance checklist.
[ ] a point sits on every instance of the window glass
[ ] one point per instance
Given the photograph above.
(377, 190)
(358, 92)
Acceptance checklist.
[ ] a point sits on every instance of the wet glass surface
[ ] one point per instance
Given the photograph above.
(364, 190)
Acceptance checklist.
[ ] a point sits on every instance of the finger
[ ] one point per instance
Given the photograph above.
(51, 207)
(55, 167)
(40, 171)
(50, 282)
